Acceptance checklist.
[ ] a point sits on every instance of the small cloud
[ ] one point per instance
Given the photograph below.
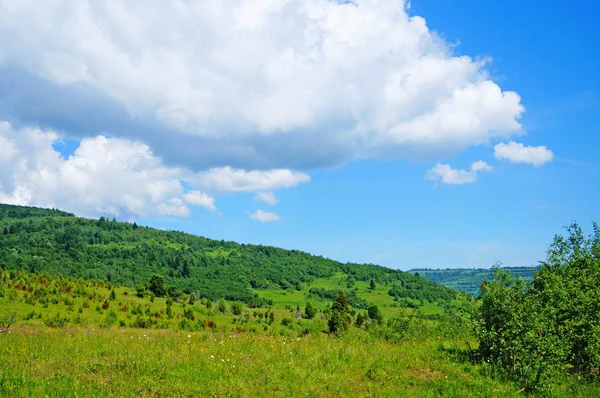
(197, 198)
(445, 174)
(518, 153)
(480, 165)
(266, 197)
(264, 216)
(543, 207)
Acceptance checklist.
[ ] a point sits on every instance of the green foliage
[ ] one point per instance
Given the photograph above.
(7, 320)
(110, 319)
(236, 308)
(372, 285)
(537, 331)
(140, 291)
(222, 307)
(56, 321)
(157, 285)
(309, 311)
(113, 295)
(375, 314)
(360, 320)
(340, 318)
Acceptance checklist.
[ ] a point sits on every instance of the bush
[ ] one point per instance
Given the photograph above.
(57, 321)
(309, 311)
(549, 327)
(7, 320)
(109, 319)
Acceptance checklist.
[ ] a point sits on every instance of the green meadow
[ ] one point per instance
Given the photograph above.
(67, 341)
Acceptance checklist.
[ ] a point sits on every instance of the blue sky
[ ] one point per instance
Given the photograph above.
(376, 139)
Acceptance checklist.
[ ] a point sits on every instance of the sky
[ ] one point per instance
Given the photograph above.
(429, 134)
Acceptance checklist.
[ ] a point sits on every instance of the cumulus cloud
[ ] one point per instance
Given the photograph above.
(445, 174)
(257, 84)
(197, 198)
(518, 153)
(264, 216)
(112, 176)
(227, 179)
(266, 197)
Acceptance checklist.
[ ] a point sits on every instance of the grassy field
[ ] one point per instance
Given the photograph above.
(101, 349)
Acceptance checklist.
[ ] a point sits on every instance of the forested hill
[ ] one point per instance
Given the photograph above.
(468, 280)
(42, 240)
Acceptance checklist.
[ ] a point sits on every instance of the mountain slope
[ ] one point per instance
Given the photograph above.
(60, 243)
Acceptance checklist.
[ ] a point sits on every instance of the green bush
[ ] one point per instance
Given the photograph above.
(7, 320)
(109, 320)
(56, 321)
(533, 332)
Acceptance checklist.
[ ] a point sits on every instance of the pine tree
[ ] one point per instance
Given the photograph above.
(309, 311)
(340, 317)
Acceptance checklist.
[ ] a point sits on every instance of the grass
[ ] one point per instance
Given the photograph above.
(167, 363)
(242, 357)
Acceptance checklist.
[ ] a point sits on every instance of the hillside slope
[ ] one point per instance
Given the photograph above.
(59, 243)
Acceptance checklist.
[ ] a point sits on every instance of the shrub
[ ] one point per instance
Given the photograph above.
(7, 320)
(532, 332)
(109, 319)
(309, 311)
(56, 321)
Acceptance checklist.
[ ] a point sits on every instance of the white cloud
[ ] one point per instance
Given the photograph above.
(227, 179)
(266, 197)
(445, 174)
(264, 216)
(198, 198)
(315, 82)
(480, 165)
(112, 176)
(518, 153)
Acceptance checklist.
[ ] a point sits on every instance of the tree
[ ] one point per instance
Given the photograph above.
(113, 295)
(372, 285)
(192, 299)
(222, 305)
(236, 308)
(340, 317)
(374, 313)
(5, 231)
(157, 285)
(341, 303)
(360, 320)
(309, 311)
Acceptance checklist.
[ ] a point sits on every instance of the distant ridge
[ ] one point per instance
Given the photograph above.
(468, 280)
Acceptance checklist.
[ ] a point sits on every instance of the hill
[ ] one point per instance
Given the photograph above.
(55, 242)
(468, 280)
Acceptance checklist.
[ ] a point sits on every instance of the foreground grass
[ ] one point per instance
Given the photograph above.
(128, 362)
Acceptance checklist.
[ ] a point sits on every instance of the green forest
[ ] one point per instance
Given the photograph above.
(40, 240)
